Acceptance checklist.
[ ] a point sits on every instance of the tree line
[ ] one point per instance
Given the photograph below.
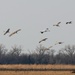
(40, 55)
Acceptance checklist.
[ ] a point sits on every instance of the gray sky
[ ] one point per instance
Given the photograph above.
(33, 16)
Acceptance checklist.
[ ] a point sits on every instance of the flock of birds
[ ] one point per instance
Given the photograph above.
(47, 30)
(8, 30)
(42, 32)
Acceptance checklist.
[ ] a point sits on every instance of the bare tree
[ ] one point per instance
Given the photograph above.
(51, 56)
(16, 50)
(3, 52)
(40, 54)
(40, 50)
(69, 50)
(66, 55)
(14, 54)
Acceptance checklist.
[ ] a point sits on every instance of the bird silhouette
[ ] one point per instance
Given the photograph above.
(70, 22)
(14, 32)
(49, 47)
(57, 24)
(47, 30)
(7, 31)
(59, 43)
(43, 40)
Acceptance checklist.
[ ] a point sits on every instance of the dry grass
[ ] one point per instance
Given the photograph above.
(36, 73)
(20, 66)
(37, 67)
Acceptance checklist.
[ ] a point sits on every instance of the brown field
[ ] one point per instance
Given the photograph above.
(35, 73)
(24, 72)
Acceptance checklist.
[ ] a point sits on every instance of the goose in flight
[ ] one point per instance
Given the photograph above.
(49, 47)
(57, 24)
(7, 31)
(47, 30)
(59, 43)
(43, 40)
(14, 32)
(70, 22)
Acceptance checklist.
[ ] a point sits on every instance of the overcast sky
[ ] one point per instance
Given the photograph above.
(33, 16)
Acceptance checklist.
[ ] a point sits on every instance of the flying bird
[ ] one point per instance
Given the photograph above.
(57, 24)
(43, 40)
(59, 43)
(49, 47)
(14, 32)
(70, 22)
(47, 30)
(7, 31)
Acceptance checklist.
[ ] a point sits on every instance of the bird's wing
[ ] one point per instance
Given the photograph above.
(18, 30)
(56, 43)
(6, 31)
(40, 41)
(44, 39)
(48, 47)
(12, 34)
(58, 22)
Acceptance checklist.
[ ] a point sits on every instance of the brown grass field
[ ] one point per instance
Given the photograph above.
(37, 69)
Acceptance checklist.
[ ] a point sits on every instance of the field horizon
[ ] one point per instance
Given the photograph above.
(26, 69)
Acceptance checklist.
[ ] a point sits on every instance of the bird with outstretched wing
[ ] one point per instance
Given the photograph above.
(43, 40)
(49, 48)
(59, 43)
(57, 24)
(47, 30)
(14, 32)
